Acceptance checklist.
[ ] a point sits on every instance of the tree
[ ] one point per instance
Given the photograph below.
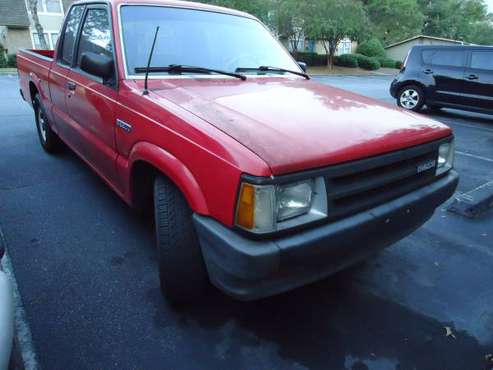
(330, 21)
(466, 20)
(285, 20)
(258, 8)
(33, 9)
(395, 20)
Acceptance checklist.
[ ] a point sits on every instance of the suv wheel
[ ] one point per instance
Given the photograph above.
(182, 270)
(411, 98)
(47, 137)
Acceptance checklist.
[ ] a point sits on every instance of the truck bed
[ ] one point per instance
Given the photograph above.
(34, 65)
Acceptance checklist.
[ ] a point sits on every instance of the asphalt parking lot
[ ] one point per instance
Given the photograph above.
(86, 269)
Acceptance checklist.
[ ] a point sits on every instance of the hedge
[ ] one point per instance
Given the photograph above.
(368, 63)
(311, 59)
(371, 48)
(7, 61)
(387, 62)
(346, 60)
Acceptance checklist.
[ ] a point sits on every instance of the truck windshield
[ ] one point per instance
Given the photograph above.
(198, 38)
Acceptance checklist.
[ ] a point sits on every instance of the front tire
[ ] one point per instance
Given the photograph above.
(182, 271)
(411, 97)
(50, 141)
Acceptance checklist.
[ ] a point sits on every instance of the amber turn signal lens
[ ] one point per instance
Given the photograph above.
(246, 207)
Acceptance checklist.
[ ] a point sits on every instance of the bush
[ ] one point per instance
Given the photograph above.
(371, 48)
(3, 60)
(12, 61)
(311, 59)
(387, 62)
(368, 63)
(346, 60)
(399, 64)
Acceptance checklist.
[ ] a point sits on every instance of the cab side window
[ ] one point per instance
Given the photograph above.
(96, 34)
(70, 34)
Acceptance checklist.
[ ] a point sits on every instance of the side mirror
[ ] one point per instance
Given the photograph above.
(97, 65)
(302, 66)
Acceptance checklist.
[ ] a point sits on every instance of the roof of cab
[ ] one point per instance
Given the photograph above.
(174, 4)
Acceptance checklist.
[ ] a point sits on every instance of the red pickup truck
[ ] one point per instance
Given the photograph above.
(260, 179)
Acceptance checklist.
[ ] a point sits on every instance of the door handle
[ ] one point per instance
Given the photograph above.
(472, 77)
(71, 85)
(428, 71)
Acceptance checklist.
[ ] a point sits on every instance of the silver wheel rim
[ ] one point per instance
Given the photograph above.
(42, 125)
(409, 98)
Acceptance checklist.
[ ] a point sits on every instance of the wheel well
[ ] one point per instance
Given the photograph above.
(142, 183)
(410, 83)
(32, 90)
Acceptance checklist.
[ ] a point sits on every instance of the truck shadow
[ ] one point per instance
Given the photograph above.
(333, 324)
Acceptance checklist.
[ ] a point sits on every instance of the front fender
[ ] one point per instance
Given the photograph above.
(174, 169)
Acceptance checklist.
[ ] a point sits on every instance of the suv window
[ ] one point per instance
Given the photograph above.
(71, 27)
(96, 34)
(482, 60)
(451, 58)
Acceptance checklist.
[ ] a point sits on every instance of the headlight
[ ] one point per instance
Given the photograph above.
(446, 156)
(267, 208)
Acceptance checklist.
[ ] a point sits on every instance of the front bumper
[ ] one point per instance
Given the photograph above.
(251, 269)
(6, 320)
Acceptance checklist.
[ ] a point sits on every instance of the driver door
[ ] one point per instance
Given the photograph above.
(91, 101)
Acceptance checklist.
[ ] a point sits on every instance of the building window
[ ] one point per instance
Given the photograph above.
(50, 6)
(50, 38)
(344, 47)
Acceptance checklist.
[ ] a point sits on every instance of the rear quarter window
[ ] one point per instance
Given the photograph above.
(70, 33)
(450, 58)
(482, 60)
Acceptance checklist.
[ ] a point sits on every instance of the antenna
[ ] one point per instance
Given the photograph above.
(146, 91)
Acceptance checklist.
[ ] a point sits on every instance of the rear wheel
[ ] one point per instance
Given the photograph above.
(411, 97)
(50, 141)
(182, 270)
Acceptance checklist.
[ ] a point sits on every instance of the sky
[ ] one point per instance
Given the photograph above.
(490, 4)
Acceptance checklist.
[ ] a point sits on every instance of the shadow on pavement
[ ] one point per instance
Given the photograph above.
(335, 325)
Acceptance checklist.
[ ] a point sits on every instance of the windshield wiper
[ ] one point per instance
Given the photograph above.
(180, 68)
(271, 69)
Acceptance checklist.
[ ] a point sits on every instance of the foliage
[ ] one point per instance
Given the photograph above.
(466, 20)
(258, 8)
(12, 61)
(395, 20)
(284, 19)
(387, 62)
(311, 59)
(3, 61)
(368, 63)
(346, 60)
(330, 21)
(371, 48)
(399, 64)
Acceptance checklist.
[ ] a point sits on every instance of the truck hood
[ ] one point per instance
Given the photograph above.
(294, 124)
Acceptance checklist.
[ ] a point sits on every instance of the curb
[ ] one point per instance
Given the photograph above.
(475, 202)
(24, 355)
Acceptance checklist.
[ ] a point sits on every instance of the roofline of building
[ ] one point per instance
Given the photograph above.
(426, 37)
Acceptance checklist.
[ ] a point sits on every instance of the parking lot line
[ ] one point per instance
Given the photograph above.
(474, 156)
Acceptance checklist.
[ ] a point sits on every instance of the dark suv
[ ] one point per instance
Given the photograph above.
(458, 77)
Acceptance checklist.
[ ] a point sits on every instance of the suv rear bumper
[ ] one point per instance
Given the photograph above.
(251, 269)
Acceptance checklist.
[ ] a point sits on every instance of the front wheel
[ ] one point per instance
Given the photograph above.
(411, 98)
(182, 270)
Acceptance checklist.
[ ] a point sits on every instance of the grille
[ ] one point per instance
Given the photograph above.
(360, 185)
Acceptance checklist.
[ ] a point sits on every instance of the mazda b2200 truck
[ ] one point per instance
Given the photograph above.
(260, 179)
